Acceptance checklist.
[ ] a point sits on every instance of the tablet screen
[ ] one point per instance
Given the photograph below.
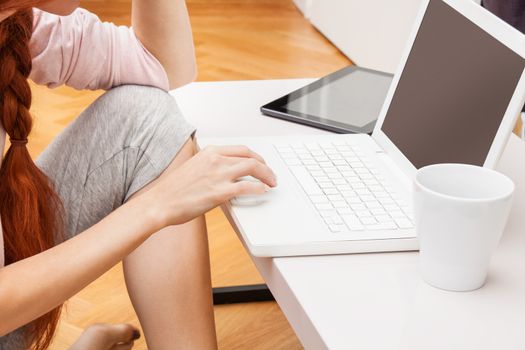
(354, 98)
(348, 100)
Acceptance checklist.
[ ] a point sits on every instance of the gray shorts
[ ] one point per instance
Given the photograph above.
(123, 141)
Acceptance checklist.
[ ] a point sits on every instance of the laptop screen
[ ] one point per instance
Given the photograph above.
(453, 93)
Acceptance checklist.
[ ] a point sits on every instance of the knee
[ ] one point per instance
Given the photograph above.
(138, 104)
(138, 98)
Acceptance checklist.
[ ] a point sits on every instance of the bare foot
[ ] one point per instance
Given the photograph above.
(102, 336)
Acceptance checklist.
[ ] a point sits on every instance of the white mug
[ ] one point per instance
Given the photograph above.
(460, 213)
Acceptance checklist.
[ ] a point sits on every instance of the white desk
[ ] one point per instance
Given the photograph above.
(374, 301)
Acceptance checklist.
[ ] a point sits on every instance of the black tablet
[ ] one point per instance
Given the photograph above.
(346, 101)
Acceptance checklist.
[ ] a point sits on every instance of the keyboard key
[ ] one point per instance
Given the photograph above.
(366, 176)
(384, 200)
(340, 204)
(353, 179)
(344, 187)
(403, 223)
(383, 218)
(330, 191)
(336, 219)
(401, 202)
(323, 206)
(357, 207)
(374, 188)
(373, 184)
(335, 176)
(335, 228)
(301, 150)
(305, 156)
(367, 198)
(396, 214)
(378, 211)
(321, 158)
(353, 222)
(344, 211)
(373, 204)
(327, 184)
(309, 162)
(390, 208)
(316, 173)
(335, 197)
(347, 193)
(358, 185)
(368, 221)
(363, 213)
(305, 180)
(382, 226)
(353, 200)
(314, 168)
(322, 178)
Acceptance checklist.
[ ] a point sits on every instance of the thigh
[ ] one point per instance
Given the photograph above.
(123, 141)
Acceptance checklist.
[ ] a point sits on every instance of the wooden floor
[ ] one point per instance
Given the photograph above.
(235, 39)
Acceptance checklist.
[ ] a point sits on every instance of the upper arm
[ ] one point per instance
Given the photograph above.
(82, 52)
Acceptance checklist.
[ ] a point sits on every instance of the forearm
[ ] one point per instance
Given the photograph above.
(31, 287)
(164, 28)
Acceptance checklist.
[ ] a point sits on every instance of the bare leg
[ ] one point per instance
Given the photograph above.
(169, 283)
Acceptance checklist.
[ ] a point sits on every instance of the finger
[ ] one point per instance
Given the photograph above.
(248, 188)
(252, 167)
(237, 151)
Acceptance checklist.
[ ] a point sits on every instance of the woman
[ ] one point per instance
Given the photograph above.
(122, 182)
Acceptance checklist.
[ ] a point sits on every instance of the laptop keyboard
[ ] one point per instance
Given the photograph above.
(345, 187)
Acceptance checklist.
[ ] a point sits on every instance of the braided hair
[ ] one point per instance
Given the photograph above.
(30, 210)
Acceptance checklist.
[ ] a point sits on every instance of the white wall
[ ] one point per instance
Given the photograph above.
(372, 33)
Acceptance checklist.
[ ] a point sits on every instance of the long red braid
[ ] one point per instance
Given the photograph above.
(30, 210)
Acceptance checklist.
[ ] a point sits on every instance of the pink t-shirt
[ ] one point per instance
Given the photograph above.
(82, 52)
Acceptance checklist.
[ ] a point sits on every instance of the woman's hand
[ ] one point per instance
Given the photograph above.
(207, 180)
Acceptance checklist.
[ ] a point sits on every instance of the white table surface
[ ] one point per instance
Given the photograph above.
(373, 301)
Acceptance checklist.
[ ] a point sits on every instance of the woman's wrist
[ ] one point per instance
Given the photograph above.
(150, 209)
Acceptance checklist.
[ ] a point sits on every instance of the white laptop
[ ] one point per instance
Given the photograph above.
(454, 99)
